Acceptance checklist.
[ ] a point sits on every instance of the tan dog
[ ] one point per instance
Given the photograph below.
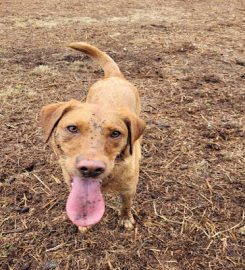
(97, 142)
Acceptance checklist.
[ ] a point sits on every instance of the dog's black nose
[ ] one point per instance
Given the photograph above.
(91, 172)
(91, 168)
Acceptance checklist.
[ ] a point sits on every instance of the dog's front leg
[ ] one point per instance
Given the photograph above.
(66, 175)
(126, 218)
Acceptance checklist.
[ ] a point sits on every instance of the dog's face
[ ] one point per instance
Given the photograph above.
(89, 138)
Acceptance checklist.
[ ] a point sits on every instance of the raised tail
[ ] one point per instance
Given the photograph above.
(106, 62)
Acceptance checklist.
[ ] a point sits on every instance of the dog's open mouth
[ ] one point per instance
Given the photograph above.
(85, 205)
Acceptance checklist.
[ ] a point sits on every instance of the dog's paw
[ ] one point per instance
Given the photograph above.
(127, 222)
(83, 229)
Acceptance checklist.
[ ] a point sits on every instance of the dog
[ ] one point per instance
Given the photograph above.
(97, 143)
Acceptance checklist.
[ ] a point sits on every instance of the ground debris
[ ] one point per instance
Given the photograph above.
(186, 59)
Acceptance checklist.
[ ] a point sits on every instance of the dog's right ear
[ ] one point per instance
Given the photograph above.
(52, 113)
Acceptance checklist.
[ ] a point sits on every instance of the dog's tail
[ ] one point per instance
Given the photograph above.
(106, 62)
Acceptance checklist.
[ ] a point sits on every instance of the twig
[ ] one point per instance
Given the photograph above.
(163, 217)
(171, 162)
(57, 180)
(15, 231)
(227, 230)
(55, 248)
(41, 182)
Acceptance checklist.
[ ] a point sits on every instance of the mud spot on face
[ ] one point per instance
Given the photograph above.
(96, 126)
(78, 159)
(83, 215)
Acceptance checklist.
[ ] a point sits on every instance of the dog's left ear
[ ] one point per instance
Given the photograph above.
(136, 127)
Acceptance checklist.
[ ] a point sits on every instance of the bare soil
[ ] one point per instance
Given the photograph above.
(187, 59)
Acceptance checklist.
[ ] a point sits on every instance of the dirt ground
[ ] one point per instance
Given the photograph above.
(187, 59)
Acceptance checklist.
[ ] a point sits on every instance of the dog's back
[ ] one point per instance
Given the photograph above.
(113, 91)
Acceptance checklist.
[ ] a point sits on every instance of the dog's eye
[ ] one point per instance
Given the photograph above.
(72, 129)
(115, 134)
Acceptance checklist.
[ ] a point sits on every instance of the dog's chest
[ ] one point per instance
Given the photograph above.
(119, 179)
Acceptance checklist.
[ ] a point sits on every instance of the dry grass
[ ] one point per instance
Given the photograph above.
(43, 70)
(15, 93)
(188, 64)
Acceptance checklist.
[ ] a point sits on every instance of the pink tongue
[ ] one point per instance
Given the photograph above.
(85, 205)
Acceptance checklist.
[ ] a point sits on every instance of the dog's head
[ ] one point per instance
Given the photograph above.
(88, 138)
